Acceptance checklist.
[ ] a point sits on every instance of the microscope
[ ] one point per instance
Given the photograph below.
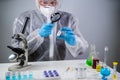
(20, 54)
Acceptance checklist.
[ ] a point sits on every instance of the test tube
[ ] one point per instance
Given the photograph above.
(7, 75)
(19, 76)
(24, 76)
(114, 76)
(59, 33)
(105, 56)
(13, 75)
(30, 75)
(81, 71)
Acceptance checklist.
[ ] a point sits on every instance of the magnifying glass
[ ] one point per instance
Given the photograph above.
(55, 17)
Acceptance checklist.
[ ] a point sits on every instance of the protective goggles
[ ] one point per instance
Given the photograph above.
(48, 2)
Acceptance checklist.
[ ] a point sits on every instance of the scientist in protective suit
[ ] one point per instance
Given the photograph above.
(39, 28)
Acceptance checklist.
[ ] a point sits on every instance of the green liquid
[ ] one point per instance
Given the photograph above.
(89, 61)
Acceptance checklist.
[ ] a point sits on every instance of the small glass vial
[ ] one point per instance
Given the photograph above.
(114, 76)
(7, 75)
(19, 75)
(30, 75)
(25, 76)
(81, 72)
(14, 76)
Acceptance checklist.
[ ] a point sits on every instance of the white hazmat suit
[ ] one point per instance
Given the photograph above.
(39, 46)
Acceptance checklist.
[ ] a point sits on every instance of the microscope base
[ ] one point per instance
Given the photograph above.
(18, 67)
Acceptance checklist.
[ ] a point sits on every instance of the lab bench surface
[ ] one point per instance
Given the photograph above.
(66, 70)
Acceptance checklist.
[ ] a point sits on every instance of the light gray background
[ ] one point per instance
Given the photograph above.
(99, 24)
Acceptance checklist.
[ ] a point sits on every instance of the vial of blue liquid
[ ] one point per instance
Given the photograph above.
(7, 75)
(25, 77)
(13, 76)
(30, 75)
(19, 76)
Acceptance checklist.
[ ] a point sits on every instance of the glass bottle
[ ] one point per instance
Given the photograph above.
(95, 60)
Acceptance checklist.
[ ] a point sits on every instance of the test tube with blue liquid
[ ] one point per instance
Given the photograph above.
(60, 33)
(25, 76)
(30, 75)
(19, 76)
(7, 75)
(13, 75)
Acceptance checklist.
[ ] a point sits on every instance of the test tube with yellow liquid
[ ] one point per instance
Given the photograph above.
(114, 76)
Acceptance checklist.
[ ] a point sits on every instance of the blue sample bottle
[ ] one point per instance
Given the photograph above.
(7, 75)
(19, 76)
(13, 76)
(24, 77)
(30, 76)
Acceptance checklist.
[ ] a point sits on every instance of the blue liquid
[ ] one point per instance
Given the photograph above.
(24, 77)
(19, 77)
(30, 77)
(104, 78)
(105, 72)
(7, 77)
(13, 77)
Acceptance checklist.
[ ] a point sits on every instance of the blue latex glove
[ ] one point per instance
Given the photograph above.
(45, 30)
(68, 36)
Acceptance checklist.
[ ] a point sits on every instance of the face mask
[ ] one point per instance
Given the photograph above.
(47, 11)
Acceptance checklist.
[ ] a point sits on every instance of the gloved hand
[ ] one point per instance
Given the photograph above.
(45, 30)
(68, 36)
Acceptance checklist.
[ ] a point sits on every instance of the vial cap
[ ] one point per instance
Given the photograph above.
(115, 63)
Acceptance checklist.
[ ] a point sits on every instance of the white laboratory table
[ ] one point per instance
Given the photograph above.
(66, 70)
